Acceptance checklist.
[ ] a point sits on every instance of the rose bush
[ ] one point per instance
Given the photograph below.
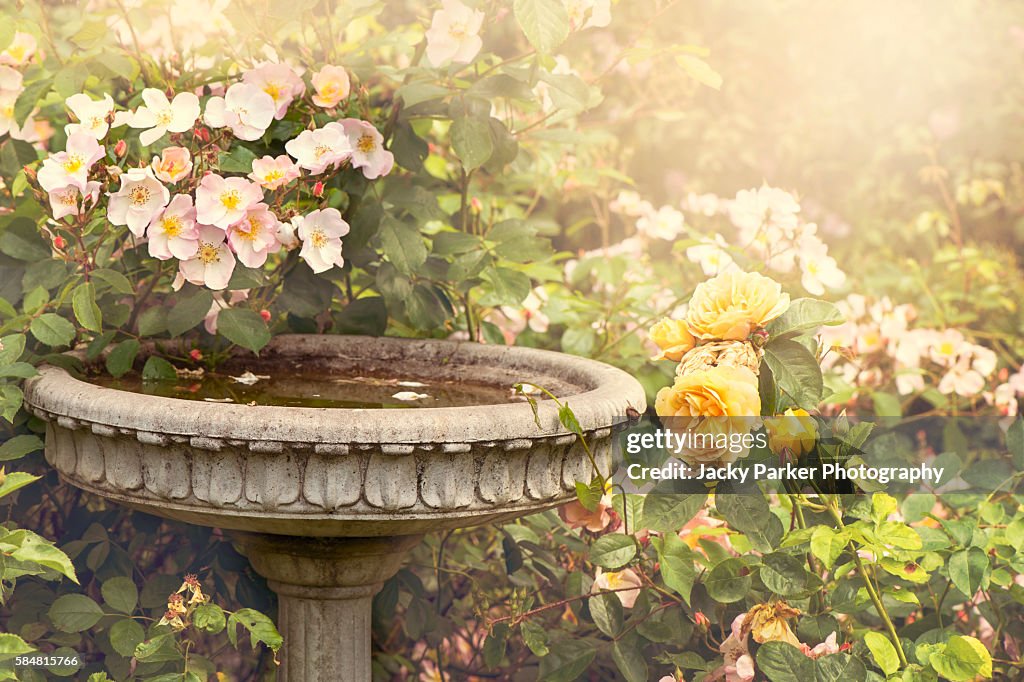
(203, 175)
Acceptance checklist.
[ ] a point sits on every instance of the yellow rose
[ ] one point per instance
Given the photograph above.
(721, 391)
(673, 338)
(795, 431)
(767, 623)
(733, 304)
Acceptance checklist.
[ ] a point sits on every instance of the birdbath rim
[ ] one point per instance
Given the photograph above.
(598, 394)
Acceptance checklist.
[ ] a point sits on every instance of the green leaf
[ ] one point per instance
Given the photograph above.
(507, 287)
(728, 582)
(11, 398)
(246, 278)
(783, 662)
(13, 347)
(783, 574)
(91, 35)
(883, 652)
(209, 617)
(29, 98)
(19, 446)
(244, 327)
(668, 513)
(629, 657)
(53, 330)
(962, 658)
(748, 513)
(606, 610)
(74, 613)
(803, 315)
(238, 160)
(160, 649)
(676, 561)
(535, 637)
(114, 281)
(368, 316)
(120, 594)
(567, 660)
(37, 549)
(125, 636)
(545, 23)
(83, 300)
(403, 245)
(590, 495)
(472, 142)
(18, 370)
(839, 668)
(796, 372)
(827, 544)
(15, 481)
(969, 570)
(122, 357)
(613, 551)
(188, 312)
(1015, 442)
(12, 645)
(259, 627)
(158, 369)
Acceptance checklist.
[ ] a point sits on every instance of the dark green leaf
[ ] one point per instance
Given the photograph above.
(796, 372)
(74, 613)
(157, 369)
(613, 551)
(243, 327)
(567, 660)
(188, 312)
(120, 594)
(783, 662)
(728, 581)
(122, 357)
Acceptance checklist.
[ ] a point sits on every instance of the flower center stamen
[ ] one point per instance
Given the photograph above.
(208, 253)
(139, 195)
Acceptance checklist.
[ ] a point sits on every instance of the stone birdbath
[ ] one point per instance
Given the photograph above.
(327, 502)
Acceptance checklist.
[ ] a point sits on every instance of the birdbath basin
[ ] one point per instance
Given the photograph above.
(327, 501)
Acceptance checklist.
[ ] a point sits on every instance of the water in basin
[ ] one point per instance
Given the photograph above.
(317, 390)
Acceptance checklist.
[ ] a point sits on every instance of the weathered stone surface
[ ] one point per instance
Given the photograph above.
(327, 502)
(370, 474)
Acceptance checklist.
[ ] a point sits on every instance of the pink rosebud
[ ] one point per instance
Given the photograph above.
(59, 242)
(203, 134)
(121, 148)
(318, 189)
(196, 354)
(701, 620)
(265, 314)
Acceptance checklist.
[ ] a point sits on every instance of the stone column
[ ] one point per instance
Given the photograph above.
(325, 589)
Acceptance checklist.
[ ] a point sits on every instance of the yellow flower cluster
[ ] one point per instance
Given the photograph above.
(717, 373)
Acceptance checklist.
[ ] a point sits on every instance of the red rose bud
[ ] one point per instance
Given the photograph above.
(318, 189)
(121, 148)
(265, 314)
(203, 134)
(196, 354)
(759, 337)
(701, 620)
(59, 242)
